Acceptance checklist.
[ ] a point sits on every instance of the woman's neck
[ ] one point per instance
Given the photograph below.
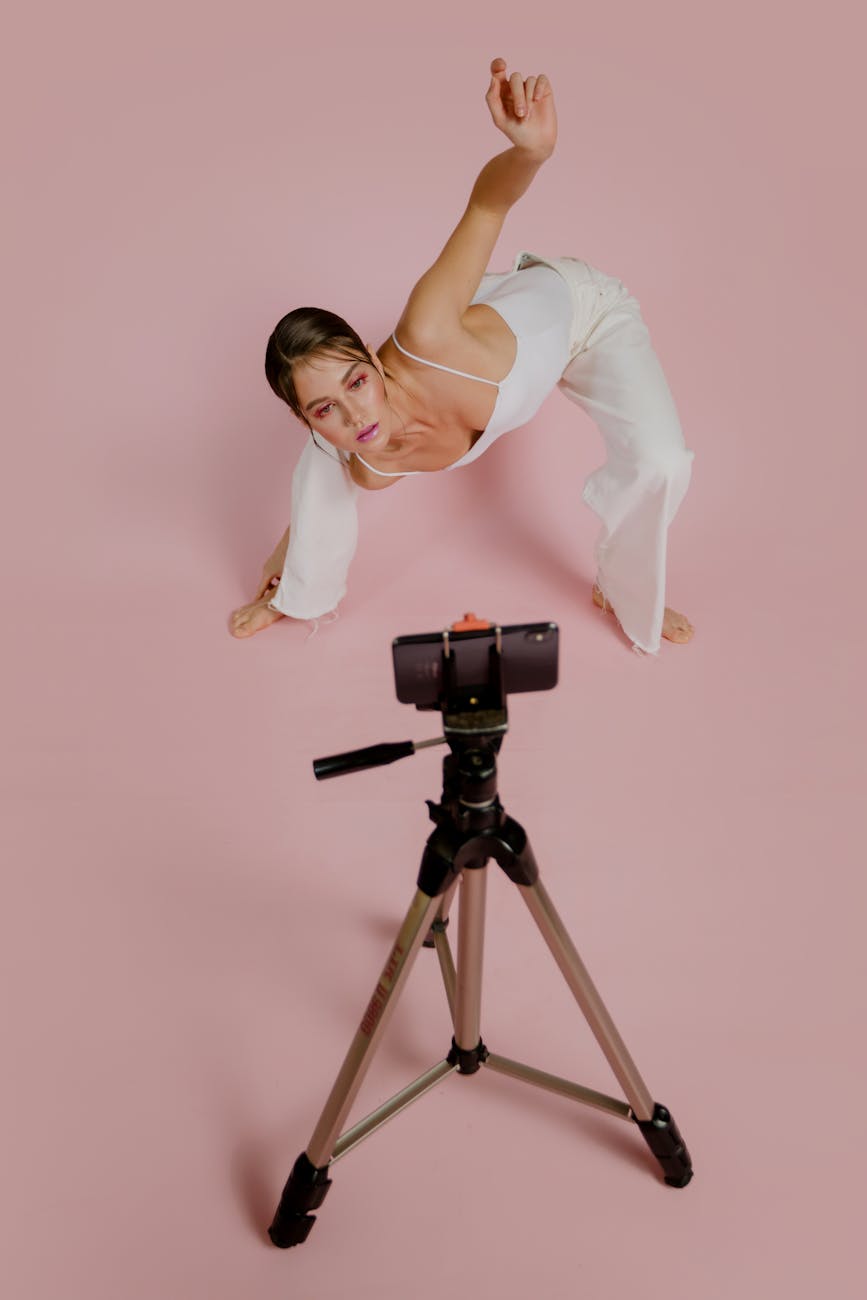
(410, 409)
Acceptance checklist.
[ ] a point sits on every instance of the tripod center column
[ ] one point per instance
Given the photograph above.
(471, 936)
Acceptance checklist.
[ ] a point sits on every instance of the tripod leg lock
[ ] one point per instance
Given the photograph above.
(467, 1059)
(662, 1136)
(437, 927)
(305, 1190)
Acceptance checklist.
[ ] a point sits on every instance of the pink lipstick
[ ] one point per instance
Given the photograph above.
(368, 433)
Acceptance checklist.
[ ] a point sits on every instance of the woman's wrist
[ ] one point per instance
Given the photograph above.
(534, 155)
(505, 178)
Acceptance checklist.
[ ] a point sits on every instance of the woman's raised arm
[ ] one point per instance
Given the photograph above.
(524, 111)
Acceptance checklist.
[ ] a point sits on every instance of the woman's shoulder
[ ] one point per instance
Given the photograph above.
(421, 334)
(472, 342)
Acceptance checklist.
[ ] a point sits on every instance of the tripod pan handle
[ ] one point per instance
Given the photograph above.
(356, 760)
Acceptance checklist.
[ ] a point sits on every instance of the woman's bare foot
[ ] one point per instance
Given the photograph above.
(675, 627)
(252, 618)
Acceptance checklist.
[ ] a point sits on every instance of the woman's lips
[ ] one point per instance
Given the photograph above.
(368, 433)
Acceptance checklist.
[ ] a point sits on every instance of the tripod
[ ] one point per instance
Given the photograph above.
(471, 829)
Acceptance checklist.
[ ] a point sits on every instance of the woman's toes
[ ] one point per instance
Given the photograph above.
(676, 627)
(680, 631)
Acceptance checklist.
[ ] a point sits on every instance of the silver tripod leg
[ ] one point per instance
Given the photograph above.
(443, 948)
(364, 1044)
(587, 997)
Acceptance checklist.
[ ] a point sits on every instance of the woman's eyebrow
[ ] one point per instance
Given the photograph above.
(317, 400)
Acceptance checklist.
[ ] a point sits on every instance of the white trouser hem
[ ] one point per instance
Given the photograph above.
(636, 646)
(315, 623)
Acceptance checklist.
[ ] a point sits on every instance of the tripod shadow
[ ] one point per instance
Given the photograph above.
(616, 1139)
(383, 927)
(256, 1162)
(608, 1132)
(255, 1193)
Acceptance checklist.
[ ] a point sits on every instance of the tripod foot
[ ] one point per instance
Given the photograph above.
(306, 1189)
(662, 1136)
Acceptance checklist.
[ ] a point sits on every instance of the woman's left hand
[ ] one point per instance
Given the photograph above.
(523, 109)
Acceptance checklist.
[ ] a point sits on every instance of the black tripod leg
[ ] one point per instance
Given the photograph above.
(658, 1128)
(308, 1183)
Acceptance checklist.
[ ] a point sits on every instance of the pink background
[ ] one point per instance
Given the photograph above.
(191, 925)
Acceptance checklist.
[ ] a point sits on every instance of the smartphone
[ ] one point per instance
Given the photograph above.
(529, 660)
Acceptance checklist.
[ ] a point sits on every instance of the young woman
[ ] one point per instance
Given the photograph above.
(473, 356)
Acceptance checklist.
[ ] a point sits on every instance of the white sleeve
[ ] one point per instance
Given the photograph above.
(323, 534)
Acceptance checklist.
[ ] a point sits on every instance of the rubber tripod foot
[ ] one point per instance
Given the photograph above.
(662, 1136)
(305, 1190)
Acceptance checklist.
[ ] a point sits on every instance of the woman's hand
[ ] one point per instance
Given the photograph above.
(270, 579)
(523, 110)
(272, 569)
(251, 618)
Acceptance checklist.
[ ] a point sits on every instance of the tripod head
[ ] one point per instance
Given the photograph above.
(466, 672)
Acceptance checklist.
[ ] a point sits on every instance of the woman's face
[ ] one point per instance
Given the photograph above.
(344, 400)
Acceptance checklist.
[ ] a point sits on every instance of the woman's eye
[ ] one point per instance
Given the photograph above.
(356, 383)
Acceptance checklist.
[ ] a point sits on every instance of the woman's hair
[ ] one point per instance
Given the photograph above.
(304, 332)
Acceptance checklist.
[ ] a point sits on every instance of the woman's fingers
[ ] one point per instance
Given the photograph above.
(512, 97)
(519, 99)
(498, 78)
(522, 92)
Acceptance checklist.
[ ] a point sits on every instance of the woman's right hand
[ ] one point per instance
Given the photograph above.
(273, 567)
(523, 109)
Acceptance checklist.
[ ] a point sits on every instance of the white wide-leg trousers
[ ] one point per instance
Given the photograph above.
(616, 377)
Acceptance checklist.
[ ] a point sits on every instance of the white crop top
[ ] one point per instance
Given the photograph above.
(536, 304)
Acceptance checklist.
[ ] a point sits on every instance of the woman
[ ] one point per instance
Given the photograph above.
(474, 355)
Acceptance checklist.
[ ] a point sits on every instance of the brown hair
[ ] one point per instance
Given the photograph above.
(306, 331)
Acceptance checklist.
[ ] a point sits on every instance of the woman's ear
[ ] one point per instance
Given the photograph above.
(376, 361)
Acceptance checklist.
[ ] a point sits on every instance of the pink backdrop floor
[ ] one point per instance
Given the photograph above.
(191, 925)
